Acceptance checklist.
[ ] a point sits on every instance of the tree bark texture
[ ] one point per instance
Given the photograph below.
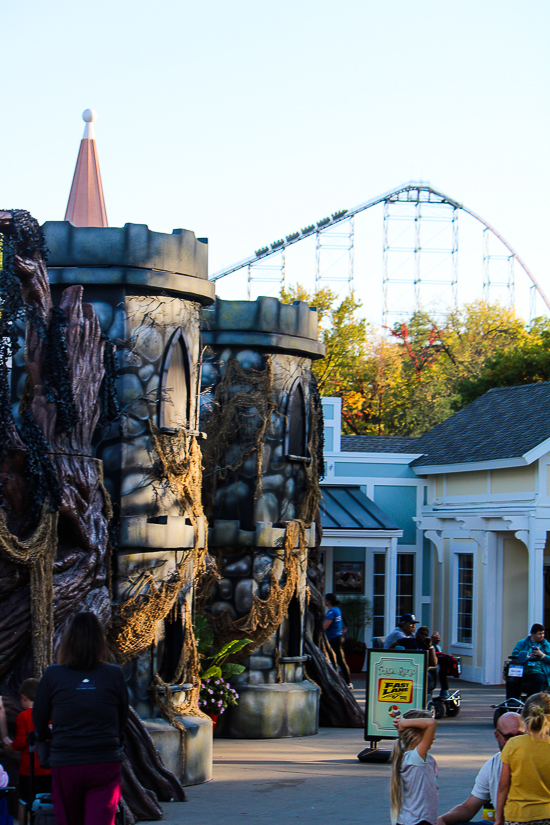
(337, 705)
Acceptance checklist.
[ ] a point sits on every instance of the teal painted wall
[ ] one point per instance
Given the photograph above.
(400, 505)
(348, 554)
(362, 470)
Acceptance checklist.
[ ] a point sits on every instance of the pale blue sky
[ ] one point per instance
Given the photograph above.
(246, 120)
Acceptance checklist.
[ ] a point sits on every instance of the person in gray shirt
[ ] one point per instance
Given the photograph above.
(486, 784)
(406, 627)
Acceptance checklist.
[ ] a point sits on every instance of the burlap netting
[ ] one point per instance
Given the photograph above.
(243, 405)
(38, 554)
(267, 615)
(187, 671)
(134, 622)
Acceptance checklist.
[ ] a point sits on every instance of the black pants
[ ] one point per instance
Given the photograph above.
(531, 683)
(336, 645)
(443, 679)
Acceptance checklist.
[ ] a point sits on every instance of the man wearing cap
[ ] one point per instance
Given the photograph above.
(405, 628)
(486, 785)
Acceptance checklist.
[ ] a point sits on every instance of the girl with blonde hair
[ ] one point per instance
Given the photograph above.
(524, 788)
(413, 789)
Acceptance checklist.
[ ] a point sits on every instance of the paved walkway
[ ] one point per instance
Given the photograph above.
(317, 779)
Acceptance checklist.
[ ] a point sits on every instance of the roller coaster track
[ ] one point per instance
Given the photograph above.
(412, 192)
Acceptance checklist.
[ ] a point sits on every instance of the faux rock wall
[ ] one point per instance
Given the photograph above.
(252, 531)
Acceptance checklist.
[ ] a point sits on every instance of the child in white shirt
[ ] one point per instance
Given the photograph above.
(413, 791)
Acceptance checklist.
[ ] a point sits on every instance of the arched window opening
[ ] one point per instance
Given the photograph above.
(296, 441)
(175, 396)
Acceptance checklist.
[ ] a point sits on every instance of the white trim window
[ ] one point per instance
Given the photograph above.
(378, 593)
(405, 584)
(463, 601)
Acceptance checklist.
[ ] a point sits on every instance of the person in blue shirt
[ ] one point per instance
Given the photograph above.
(536, 670)
(334, 631)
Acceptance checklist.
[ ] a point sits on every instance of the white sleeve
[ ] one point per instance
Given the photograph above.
(482, 785)
(414, 758)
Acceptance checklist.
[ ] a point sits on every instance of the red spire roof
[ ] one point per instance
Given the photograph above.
(86, 206)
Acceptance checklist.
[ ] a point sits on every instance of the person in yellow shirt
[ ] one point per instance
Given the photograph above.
(524, 788)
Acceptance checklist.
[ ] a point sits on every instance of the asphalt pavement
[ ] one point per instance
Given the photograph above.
(318, 779)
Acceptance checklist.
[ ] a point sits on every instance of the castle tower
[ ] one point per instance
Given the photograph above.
(86, 206)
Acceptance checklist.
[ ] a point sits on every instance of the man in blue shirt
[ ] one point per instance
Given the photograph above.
(334, 630)
(405, 628)
(536, 670)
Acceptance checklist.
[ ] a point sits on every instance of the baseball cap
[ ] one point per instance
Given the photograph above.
(408, 618)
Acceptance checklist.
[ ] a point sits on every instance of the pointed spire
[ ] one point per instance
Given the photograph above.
(86, 206)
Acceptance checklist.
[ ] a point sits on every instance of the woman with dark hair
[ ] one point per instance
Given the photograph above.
(86, 700)
(334, 631)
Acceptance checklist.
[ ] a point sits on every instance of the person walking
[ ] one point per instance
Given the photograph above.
(23, 726)
(86, 700)
(524, 787)
(334, 631)
(413, 788)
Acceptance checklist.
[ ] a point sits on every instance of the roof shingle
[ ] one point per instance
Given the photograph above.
(379, 444)
(506, 422)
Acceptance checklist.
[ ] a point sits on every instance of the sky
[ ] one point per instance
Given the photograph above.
(244, 121)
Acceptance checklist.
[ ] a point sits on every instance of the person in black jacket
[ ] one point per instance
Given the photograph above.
(86, 700)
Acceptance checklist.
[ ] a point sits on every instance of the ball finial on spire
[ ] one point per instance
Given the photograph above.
(89, 115)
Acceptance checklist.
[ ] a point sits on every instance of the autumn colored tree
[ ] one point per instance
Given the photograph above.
(342, 333)
(405, 380)
(527, 362)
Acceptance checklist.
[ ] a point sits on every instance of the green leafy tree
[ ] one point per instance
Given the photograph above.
(342, 333)
(527, 362)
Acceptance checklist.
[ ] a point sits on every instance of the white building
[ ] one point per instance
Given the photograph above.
(471, 498)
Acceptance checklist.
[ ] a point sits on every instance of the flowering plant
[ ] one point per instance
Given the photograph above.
(216, 695)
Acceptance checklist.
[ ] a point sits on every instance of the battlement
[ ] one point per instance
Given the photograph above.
(266, 323)
(130, 255)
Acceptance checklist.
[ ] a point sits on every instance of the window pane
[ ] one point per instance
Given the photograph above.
(465, 598)
(379, 591)
(405, 584)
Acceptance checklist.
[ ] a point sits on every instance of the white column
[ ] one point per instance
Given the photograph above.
(537, 540)
(391, 585)
(534, 540)
(491, 626)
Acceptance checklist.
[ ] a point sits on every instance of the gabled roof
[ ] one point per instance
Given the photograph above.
(348, 508)
(379, 444)
(504, 423)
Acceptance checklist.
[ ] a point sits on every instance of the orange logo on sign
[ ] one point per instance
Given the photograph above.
(395, 690)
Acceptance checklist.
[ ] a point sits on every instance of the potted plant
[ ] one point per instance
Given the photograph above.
(216, 694)
(357, 615)
(215, 697)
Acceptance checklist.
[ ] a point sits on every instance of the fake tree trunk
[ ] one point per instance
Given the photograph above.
(337, 706)
(55, 514)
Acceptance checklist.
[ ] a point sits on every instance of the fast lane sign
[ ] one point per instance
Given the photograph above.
(397, 681)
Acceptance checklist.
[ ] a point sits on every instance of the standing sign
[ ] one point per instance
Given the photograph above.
(397, 681)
